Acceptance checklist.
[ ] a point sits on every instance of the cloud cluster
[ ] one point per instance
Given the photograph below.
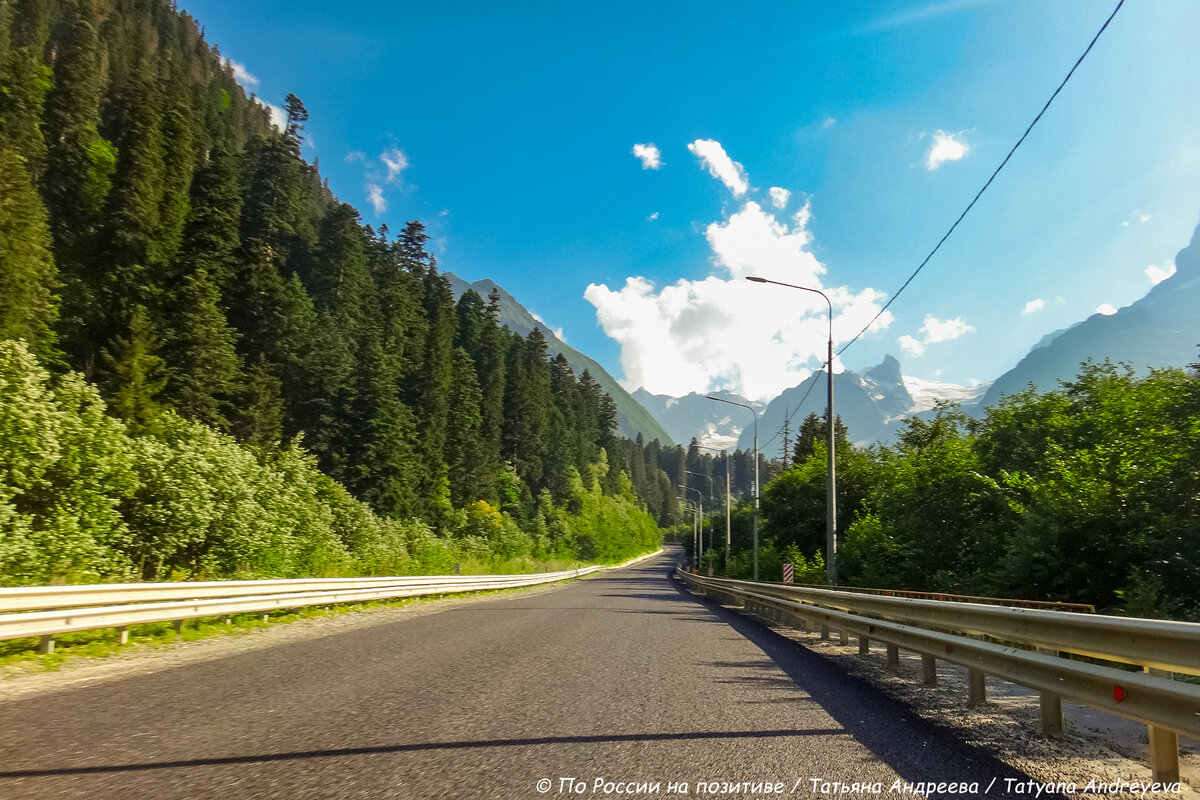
(779, 197)
(932, 332)
(945, 147)
(729, 172)
(387, 171)
(1032, 306)
(649, 154)
(1107, 309)
(723, 332)
(1159, 274)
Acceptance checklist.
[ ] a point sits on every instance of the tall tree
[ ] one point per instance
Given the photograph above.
(28, 305)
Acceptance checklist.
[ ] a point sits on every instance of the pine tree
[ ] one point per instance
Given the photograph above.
(28, 305)
(204, 374)
(211, 238)
(80, 162)
(260, 416)
(434, 381)
(462, 452)
(527, 406)
(135, 374)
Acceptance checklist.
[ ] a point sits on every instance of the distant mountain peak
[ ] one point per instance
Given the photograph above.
(886, 371)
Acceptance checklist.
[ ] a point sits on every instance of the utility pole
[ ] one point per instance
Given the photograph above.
(786, 431)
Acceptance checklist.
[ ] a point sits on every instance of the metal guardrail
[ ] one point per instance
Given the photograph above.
(1011, 602)
(45, 611)
(949, 631)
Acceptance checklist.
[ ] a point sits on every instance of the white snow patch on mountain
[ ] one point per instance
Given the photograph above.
(926, 393)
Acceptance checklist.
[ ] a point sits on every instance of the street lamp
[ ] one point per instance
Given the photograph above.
(711, 503)
(755, 413)
(724, 455)
(831, 488)
(698, 536)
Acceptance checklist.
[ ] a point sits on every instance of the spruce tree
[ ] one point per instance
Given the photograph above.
(203, 371)
(28, 305)
(135, 374)
(462, 452)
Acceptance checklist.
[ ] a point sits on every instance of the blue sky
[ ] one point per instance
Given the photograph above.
(509, 130)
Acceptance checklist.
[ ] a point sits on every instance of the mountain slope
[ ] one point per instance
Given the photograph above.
(869, 405)
(631, 416)
(715, 424)
(1160, 330)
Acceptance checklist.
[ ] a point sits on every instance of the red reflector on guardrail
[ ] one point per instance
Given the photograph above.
(1119, 693)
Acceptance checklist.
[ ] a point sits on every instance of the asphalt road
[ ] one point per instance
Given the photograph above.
(622, 677)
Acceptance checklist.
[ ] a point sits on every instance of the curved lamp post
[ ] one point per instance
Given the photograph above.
(755, 413)
(698, 537)
(831, 487)
(711, 506)
(725, 456)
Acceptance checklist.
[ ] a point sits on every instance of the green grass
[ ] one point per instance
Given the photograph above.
(20, 655)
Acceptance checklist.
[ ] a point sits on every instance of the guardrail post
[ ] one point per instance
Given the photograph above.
(843, 636)
(893, 655)
(45, 645)
(825, 631)
(123, 635)
(864, 645)
(1164, 745)
(178, 625)
(929, 670)
(976, 687)
(1051, 717)
(266, 618)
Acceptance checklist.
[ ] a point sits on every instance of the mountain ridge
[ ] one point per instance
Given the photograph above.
(632, 418)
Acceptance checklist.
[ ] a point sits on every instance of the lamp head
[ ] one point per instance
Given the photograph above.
(756, 279)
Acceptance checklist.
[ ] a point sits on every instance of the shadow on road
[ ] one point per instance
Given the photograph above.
(917, 749)
(411, 748)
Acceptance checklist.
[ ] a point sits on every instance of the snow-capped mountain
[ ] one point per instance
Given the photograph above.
(871, 404)
(716, 425)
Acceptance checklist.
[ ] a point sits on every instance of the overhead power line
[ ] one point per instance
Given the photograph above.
(989, 180)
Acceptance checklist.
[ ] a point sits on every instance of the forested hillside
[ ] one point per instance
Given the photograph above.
(1087, 493)
(162, 242)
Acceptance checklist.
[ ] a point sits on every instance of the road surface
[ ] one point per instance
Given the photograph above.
(622, 677)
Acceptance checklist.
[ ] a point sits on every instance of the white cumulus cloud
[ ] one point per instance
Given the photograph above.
(375, 198)
(718, 163)
(1106, 309)
(388, 170)
(932, 332)
(396, 162)
(946, 147)
(911, 347)
(937, 330)
(1033, 305)
(779, 197)
(1159, 274)
(725, 333)
(241, 74)
(649, 154)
